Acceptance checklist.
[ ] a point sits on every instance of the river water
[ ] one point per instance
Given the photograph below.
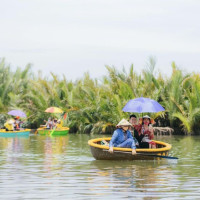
(43, 167)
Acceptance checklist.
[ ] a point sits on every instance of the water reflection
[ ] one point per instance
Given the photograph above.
(135, 176)
(11, 144)
(63, 167)
(39, 144)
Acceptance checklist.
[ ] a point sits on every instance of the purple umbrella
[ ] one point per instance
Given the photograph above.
(17, 113)
(142, 105)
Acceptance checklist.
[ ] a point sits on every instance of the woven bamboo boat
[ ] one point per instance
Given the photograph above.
(61, 131)
(4, 133)
(100, 152)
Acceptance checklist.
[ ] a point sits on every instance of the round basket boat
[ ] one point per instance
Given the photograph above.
(24, 132)
(61, 131)
(100, 152)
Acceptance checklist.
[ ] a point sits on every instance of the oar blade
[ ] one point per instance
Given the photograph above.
(167, 157)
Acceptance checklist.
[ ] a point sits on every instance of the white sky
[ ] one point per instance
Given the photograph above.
(76, 36)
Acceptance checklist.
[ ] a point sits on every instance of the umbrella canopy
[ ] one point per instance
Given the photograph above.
(54, 110)
(17, 113)
(142, 105)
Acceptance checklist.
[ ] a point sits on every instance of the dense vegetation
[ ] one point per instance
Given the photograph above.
(95, 106)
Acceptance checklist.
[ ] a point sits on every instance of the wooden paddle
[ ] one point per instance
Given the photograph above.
(153, 155)
(53, 131)
(168, 157)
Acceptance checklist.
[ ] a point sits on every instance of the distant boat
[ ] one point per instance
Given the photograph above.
(61, 131)
(24, 132)
(100, 152)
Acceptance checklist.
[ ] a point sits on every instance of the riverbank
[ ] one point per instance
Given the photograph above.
(95, 105)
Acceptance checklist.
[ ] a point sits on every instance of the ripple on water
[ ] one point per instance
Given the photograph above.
(63, 167)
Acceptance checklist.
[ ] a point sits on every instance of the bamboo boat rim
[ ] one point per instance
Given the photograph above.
(61, 129)
(20, 131)
(93, 143)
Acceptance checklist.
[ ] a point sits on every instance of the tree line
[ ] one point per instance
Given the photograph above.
(95, 105)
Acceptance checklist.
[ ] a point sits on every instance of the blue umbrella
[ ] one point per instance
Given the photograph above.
(142, 105)
(17, 113)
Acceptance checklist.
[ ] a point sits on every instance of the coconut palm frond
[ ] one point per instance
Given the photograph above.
(187, 125)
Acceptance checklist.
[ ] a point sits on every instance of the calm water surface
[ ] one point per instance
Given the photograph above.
(42, 167)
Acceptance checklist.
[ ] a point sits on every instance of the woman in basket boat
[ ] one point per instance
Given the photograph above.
(122, 137)
(144, 133)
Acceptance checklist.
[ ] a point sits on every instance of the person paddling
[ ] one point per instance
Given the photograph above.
(122, 137)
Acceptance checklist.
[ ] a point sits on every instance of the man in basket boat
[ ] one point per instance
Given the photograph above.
(122, 137)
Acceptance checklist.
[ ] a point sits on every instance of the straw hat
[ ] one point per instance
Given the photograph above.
(124, 122)
(10, 121)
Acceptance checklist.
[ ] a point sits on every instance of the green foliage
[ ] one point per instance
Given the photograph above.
(95, 106)
(2, 120)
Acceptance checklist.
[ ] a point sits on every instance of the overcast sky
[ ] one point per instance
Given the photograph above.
(77, 36)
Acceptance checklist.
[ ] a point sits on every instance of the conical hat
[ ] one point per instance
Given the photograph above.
(124, 122)
(10, 121)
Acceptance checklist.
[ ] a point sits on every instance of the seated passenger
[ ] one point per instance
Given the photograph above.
(21, 124)
(59, 124)
(54, 121)
(9, 125)
(17, 123)
(134, 129)
(122, 137)
(146, 133)
(49, 124)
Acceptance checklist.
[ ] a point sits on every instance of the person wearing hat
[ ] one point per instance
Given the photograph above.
(146, 133)
(122, 137)
(59, 124)
(9, 125)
